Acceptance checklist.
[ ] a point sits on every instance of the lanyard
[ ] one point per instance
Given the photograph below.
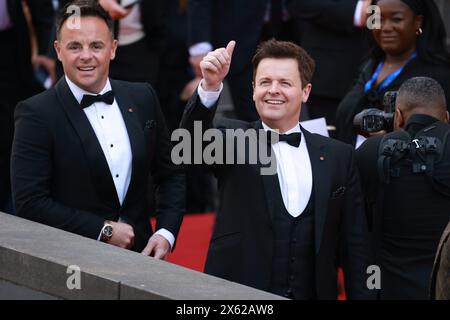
(389, 79)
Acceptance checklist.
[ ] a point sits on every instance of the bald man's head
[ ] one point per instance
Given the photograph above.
(420, 95)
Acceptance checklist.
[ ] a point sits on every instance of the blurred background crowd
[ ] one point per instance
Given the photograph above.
(163, 41)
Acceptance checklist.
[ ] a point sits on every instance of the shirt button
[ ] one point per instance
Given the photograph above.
(117, 175)
(112, 145)
(103, 117)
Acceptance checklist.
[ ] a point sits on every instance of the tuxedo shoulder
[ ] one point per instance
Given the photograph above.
(42, 101)
(227, 123)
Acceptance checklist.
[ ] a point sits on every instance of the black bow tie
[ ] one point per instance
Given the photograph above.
(88, 99)
(292, 139)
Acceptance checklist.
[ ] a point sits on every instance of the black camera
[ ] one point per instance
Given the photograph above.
(373, 120)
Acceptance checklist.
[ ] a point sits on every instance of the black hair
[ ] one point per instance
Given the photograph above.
(284, 49)
(85, 8)
(423, 93)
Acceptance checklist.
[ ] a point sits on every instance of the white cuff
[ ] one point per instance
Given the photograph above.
(358, 14)
(167, 235)
(200, 48)
(208, 98)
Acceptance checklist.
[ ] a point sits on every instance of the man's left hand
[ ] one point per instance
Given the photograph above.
(157, 246)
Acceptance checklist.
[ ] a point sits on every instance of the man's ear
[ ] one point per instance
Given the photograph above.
(57, 47)
(446, 117)
(399, 119)
(113, 49)
(306, 91)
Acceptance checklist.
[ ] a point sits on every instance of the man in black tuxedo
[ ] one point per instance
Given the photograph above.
(17, 81)
(88, 153)
(282, 232)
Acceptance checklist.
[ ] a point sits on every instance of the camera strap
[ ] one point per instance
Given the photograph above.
(423, 151)
(393, 147)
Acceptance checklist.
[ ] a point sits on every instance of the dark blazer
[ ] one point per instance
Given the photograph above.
(219, 21)
(328, 34)
(357, 99)
(440, 284)
(241, 247)
(60, 176)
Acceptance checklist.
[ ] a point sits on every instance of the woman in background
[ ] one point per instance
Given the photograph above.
(410, 43)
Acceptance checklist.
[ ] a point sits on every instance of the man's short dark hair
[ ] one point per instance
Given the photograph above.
(422, 93)
(87, 8)
(284, 49)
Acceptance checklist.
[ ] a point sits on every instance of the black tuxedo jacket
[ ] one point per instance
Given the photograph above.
(241, 247)
(60, 176)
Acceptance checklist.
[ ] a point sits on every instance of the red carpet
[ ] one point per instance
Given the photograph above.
(193, 241)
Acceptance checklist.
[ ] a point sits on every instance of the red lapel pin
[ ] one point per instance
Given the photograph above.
(130, 110)
(322, 158)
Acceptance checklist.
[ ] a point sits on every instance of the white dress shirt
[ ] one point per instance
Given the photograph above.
(112, 134)
(294, 172)
(293, 163)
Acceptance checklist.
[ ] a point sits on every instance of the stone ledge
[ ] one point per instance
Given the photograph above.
(37, 256)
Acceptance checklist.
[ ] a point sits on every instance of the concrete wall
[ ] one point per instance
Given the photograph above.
(34, 262)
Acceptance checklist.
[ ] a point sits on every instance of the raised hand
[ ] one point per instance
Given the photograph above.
(215, 66)
(115, 10)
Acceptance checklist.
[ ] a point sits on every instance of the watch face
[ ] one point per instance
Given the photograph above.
(108, 231)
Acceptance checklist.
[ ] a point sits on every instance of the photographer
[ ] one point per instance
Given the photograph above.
(406, 180)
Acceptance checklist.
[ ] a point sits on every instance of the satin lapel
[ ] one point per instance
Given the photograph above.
(135, 134)
(95, 158)
(321, 172)
(269, 181)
